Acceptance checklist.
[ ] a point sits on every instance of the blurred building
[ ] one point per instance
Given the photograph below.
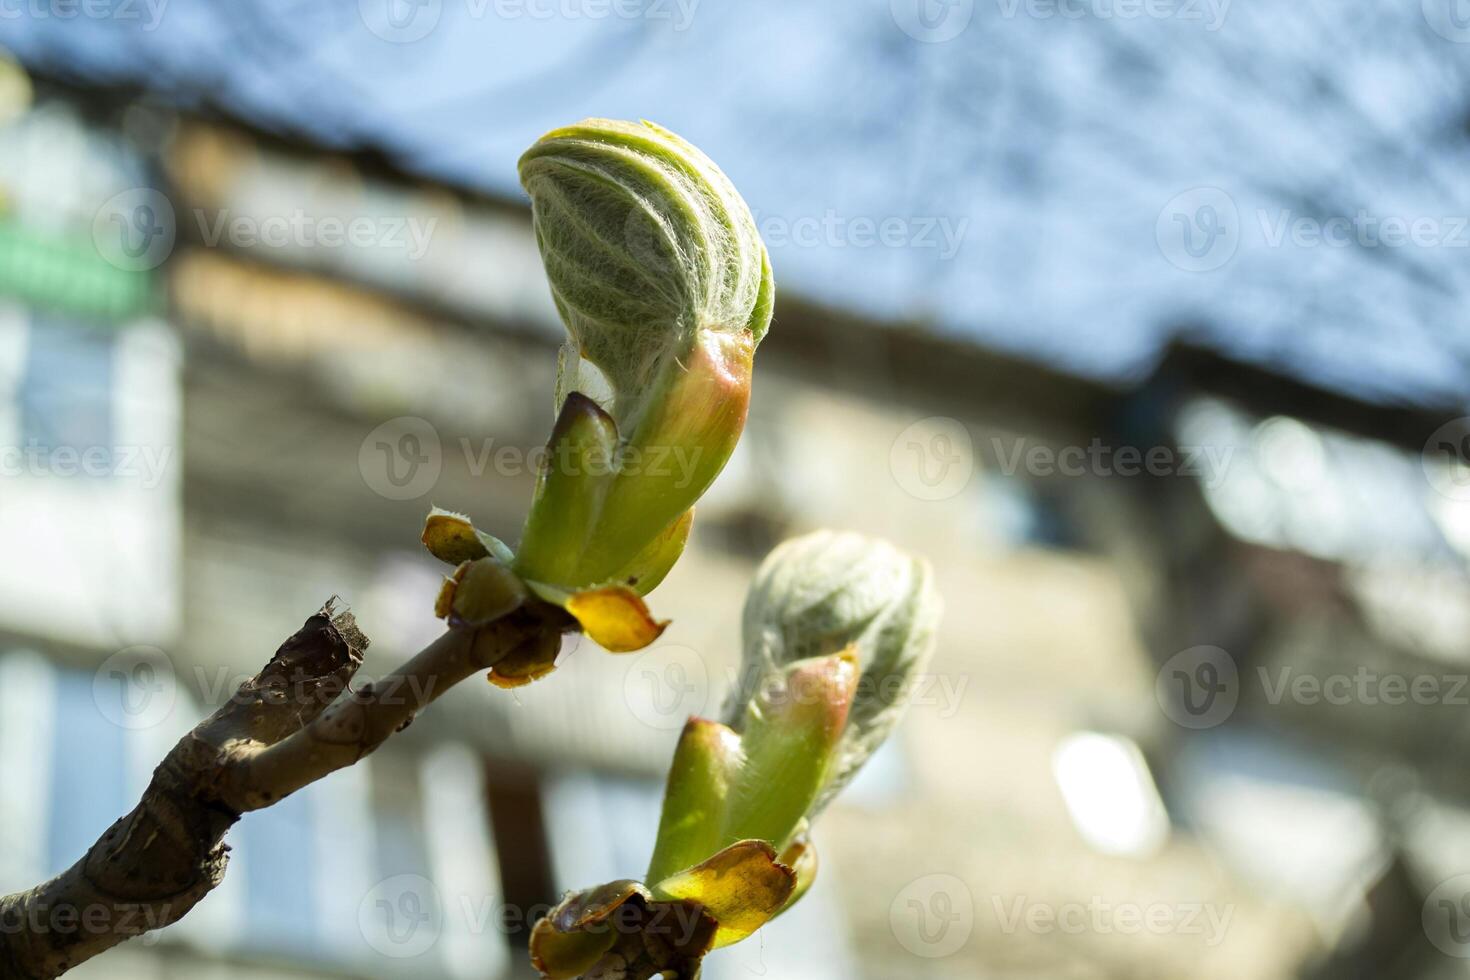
(237, 369)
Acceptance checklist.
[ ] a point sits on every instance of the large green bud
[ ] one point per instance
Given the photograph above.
(646, 243)
(665, 288)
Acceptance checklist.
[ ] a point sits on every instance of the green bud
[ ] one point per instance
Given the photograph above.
(665, 288)
(790, 740)
(836, 626)
(646, 242)
(831, 591)
(724, 788)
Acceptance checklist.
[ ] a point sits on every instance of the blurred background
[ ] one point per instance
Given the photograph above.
(1144, 320)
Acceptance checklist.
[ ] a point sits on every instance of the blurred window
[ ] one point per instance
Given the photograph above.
(66, 392)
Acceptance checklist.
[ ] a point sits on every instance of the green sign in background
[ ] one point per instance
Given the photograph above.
(68, 275)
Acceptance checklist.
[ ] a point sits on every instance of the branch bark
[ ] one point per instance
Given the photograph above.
(292, 724)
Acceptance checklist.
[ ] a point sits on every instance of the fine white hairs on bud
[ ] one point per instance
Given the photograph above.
(829, 591)
(646, 243)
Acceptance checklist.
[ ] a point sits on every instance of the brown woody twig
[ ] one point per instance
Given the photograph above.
(290, 725)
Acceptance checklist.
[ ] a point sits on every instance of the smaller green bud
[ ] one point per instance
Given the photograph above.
(836, 626)
(725, 787)
(831, 591)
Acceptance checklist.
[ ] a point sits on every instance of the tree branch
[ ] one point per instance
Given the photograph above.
(290, 725)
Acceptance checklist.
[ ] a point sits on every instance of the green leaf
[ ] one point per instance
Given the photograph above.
(569, 494)
(675, 449)
(791, 731)
(644, 573)
(694, 797)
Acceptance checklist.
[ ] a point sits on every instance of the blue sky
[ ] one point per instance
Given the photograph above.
(1078, 181)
